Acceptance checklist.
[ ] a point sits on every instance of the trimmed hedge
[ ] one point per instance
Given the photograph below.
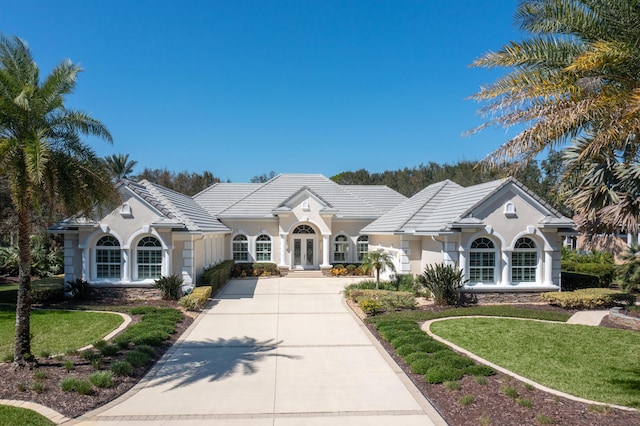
(372, 301)
(217, 276)
(195, 300)
(590, 298)
(604, 271)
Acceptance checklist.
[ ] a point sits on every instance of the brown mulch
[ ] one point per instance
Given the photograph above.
(491, 406)
(19, 383)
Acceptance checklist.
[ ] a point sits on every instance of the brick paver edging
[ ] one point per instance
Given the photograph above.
(427, 328)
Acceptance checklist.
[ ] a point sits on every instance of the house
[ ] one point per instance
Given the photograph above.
(503, 236)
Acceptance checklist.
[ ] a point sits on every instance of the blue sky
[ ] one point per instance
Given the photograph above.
(242, 87)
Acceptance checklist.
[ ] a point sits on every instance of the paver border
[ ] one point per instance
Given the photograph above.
(426, 326)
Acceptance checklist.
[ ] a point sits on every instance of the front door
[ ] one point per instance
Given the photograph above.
(304, 256)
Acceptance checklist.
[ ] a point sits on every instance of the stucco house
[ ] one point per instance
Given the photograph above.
(503, 236)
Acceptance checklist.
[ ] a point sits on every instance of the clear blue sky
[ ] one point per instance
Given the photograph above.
(242, 87)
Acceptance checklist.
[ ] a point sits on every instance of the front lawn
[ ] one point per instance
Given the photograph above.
(21, 416)
(591, 362)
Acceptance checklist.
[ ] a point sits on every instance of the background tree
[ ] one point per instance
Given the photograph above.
(43, 158)
(119, 166)
(378, 260)
(263, 177)
(577, 77)
(184, 182)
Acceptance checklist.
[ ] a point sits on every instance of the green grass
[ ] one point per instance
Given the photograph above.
(21, 416)
(591, 362)
(497, 310)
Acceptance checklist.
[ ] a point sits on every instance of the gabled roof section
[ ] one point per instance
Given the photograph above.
(176, 208)
(262, 200)
(445, 205)
(286, 204)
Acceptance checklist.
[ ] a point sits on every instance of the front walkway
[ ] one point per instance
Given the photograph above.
(278, 352)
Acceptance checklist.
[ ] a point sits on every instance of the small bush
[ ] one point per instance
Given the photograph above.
(481, 380)
(543, 419)
(73, 384)
(421, 365)
(170, 286)
(78, 289)
(137, 358)
(146, 349)
(601, 409)
(40, 375)
(370, 306)
(38, 386)
(196, 300)
(68, 365)
(444, 282)
(479, 370)
(122, 368)
(525, 402)
(452, 385)
(466, 400)
(102, 379)
(109, 350)
(593, 298)
(21, 386)
(405, 350)
(510, 391)
(90, 355)
(442, 373)
(96, 363)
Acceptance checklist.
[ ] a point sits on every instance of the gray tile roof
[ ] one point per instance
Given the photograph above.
(260, 200)
(444, 205)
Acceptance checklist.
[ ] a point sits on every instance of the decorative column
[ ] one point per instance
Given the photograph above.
(548, 267)
(506, 268)
(462, 262)
(86, 260)
(283, 251)
(126, 265)
(325, 251)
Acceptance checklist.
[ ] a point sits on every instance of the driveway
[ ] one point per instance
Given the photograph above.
(278, 352)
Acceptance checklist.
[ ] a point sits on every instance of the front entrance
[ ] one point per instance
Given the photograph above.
(304, 248)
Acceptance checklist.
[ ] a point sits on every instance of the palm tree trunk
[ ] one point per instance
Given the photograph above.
(377, 278)
(22, 351)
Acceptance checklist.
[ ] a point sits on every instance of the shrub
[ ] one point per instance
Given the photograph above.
(196, 300)
(604, 271)
(442, 373)
(90, 355)
(38, 386)
(524, 402)
(479, 370)
(481, 380)
(102, 379)
(217, 276)
(452, 386)
(109, 350)
(78, 289)
(574, 281)
(389, 301)
(407, 349)
(122, 368)
(68, 365)
(138, 358)
(370, 306)
(73, 384)
(443, 281)
(170, 286)
(510, 391)
(421, 365)
(543, 419)
(466, 400)
(594, 298)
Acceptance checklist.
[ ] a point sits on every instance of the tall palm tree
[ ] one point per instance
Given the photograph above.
(43, 157)
(119, 166)
(576, 76)
(377, 260)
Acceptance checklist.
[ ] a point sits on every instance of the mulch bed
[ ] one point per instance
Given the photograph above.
(18, 383)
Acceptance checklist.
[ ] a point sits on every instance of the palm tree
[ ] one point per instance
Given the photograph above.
(43, 158)
(629, 272)
(119, 166)
(377, 260)
(576, 78)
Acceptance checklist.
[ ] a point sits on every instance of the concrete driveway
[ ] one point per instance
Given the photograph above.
(273, 351)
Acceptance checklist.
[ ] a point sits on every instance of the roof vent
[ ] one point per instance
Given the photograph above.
(125, 210)
(510, 210)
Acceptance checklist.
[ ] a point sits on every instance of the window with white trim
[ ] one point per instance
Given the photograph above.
(149, 258)
(340, 248)
(482, 261)
(240, 248)
(524, 261)
(263, 248)
(108, 258)
(362, 247)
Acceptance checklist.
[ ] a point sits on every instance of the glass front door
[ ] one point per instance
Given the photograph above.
(304, 253)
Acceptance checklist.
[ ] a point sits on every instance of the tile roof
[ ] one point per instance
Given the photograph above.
(260, 200)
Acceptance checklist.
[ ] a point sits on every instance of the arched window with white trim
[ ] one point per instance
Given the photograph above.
(482, 261)
(340, 248)
(263, 248)
(524, 261)
(362, 246)
(149, 258)
(108, 258)
(240, 248)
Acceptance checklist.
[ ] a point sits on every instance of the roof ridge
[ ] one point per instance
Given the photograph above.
(177, 213)
(248, 194)
(443, 184)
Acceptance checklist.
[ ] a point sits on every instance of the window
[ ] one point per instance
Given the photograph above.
(524, 261)
(149, 258)
(340, 248)
(240, 248)
(108, 258)
(304, 229)
(263, 248)
(482, 261)
(362, 247)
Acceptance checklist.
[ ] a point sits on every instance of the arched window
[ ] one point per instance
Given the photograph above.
(340, 248)
(108, 258)
(240, 248)
(149, 258)
(362, 247)
(524, 261)
(304, 229)
(263, 248)
(482, 261)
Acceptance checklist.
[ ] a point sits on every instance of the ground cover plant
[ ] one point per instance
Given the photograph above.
(590, 362)
(21, 416)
